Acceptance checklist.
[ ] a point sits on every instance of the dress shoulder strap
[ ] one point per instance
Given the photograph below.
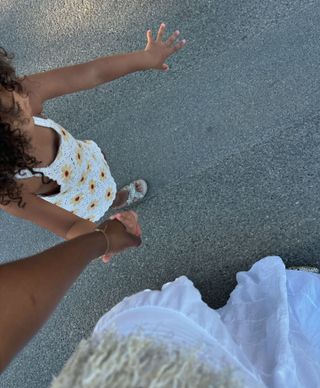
(41, 121)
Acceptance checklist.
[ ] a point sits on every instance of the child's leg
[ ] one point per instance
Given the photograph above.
(121, 199)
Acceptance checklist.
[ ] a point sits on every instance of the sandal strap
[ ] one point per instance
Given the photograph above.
(134, 194)
(131, 192)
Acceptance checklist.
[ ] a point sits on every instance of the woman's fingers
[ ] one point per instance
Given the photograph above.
(134, 241)
(131, 241)
(161, 32)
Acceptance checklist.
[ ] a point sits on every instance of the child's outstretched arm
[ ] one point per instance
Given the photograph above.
(54, 83)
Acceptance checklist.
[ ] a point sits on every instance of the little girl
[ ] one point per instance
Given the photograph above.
(46, 175)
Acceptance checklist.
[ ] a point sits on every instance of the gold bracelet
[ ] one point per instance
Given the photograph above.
(106, 237)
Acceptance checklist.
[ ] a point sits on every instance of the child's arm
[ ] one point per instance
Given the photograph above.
(49, 216)
(54, 83)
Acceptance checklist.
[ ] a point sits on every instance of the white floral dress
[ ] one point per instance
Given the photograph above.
(87, 187)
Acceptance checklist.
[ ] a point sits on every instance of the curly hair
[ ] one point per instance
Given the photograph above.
(14, 144)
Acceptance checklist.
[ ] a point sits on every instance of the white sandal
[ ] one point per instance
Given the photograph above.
(134, 195)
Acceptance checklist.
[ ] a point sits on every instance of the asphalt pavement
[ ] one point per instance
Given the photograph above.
(228, 140)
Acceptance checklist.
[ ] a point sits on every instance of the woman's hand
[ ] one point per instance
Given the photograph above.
(157, 51)
(123, 232)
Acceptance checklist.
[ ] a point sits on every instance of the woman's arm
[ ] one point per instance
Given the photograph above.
(54, 83)
(31, 288)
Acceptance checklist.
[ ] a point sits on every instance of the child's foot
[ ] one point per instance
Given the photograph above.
(130, 194)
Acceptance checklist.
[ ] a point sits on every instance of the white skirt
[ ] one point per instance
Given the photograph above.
(268, 331)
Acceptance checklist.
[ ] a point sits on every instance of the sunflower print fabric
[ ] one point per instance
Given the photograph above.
(87, 186)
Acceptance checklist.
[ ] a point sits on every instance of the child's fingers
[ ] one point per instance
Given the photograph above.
(126, 217)
(172, 38)
(178, 46)
(149, 36)
(161, 31)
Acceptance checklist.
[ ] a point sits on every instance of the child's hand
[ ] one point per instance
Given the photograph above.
(157, 51)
